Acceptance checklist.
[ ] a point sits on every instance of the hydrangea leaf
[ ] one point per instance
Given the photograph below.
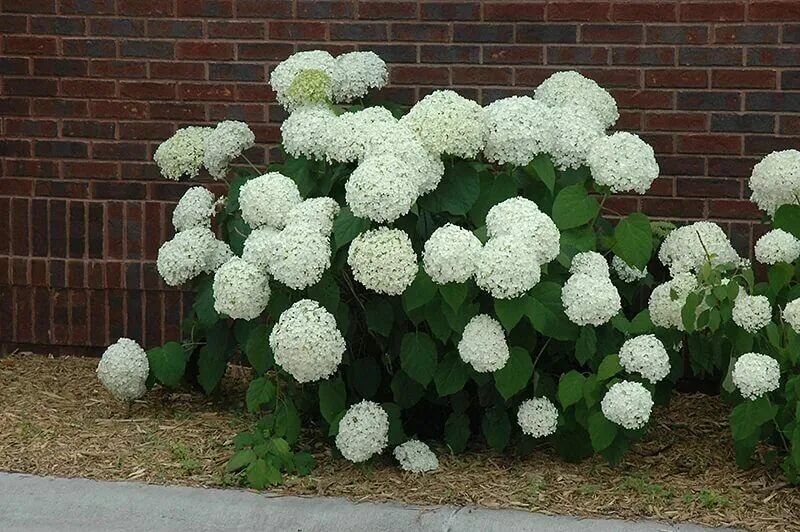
(326, 292)
(366, 376)
(494, 190)
(586, 345)
(332, 398)
(436, 320)
(260, 392)
(609, 367)
(454, 294)
(496, 427)
(601, 431)
(258, 350)
(204, 301)
(787, 217)
(421, 291)
(287, 421)
(457, 192)
(456, 431)
(379, 315)
(510, 311)
(542, 166)
(406, 391)
(418, 357)
(213, 358)
(168, 363)
(574, 207)
(451, 375)
(515, 375)
(546, 312)
(570, 388)
(346, 227)
(633, 240)
(240, 460)
(260, 474)
(397, 434)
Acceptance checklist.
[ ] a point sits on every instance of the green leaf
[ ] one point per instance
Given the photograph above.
(406, 391)
(451, 375)
(168, 363)
(326, 292)
(496, 427)
(515, 375)
(510, 311)
(787, 217)
(237, 233)
(494, 190)
(332, 398)
(456, 431)
(570, 388)
(546, 312)
(633, 240)
(379, 315)
(232, 201)
(749, 416)
(457, 191)
(437, 321)
(601, 431)
(260, 392)
(366, 376)
(780, 275)
(346, 227)
(213, 359)
(287, 421)
(418, 357)
(303, 463)
(397, 434)
(420, 292)
(689, 311)
(574, 207)
(543, 167)
(586, 345)
(258, 350)
(609, 367)
(260, 474)
(240, 460)
(203, 304)
(454, 294)
(574, 242)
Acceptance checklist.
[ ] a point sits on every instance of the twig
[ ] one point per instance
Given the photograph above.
(251, 164)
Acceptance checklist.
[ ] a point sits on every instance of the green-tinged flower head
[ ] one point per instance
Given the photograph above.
(310, 87)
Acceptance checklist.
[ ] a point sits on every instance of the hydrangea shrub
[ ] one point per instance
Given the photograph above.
(439, 272)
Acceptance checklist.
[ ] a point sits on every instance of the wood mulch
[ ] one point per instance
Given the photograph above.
(56, 419)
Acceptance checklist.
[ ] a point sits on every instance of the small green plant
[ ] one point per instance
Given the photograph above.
(187, 461)
(708, 498)
(642, 485)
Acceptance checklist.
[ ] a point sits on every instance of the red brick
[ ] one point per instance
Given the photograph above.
(264, 8)
(298, 31)
(482, 75)
(743, 79)
(676, 121)
(736, 209)
(774, 11)
(644, 99)
(177, 70)
(203, 50)
(231, 29)
(420, 75)
(26, 45)
(514, 11)
(147, 90)
(579, 11)
(216, 91)
(710, 144)
(712, 11)
(385, 10)
(673, 208)
(611, 33)
(645, 12)
(205, 8)
(145, 8)
(74, 88)
(419, 32)
(676, 78)
(513, 54)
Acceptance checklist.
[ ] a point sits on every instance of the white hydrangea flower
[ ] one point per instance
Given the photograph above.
(363, 431)
(751, 313)
(219, 254)
(645, 355)
(777, 246)
(268, 199)
(381, 189)
(309, 132)
(357, 73)
(627, 404)
(448, 123)
(349, 134)
(483, 344)
(575, 131)
(450, 254)
(225, 143)
(194, 209)
(625, 272)
(521, 217)
(416, 457)
(666, 311)
(123, 370)
(623, 162)
(299, 255)
(569, 88)
(775, 180)
(318, 212)
(306, 342)
(259, 247)
(285, 73)
(589, 263)
(687, 248)
(507, 267)
(538, 417)
(383, 260)
(755, 374)
(186, 256)
(241, 289)
(519, 128)
(791, 314)
(590, 299)
(182, 154)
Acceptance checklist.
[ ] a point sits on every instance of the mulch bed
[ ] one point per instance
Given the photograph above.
(56, 419)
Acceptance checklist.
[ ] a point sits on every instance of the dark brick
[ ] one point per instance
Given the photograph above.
(205, 8)
(763, 144)
(676, 34)
(525, 55)
(62, 148)
(451, 11)
(482, 33)
(57, 221)
(14, 66)
(387, 10)
(364, 31)
(611, 33)
(692, 56)
(707, 188)
(774, 11)
(395, 53)
(60, 67)
(789, 125)
(269, 51)
(645, 12)
(513, 11)
(577, 55)
(772, 101)
(675, 122)
(89, 47)
(642, 56)
(177, 29)
(233, 29)
(31, 128)
(147, 48)
(420, 32)
(146, 8)
(450, 54)
(236, 71)
(83, 129)
(420, 74)
(746, 34)
(480, 75)
(117, 69)
(58, 25)
(791, 33)
(121, 190)
(198, 91)
(706, 101)
(87, 7)
(773, 56)
(678, 78)
(547, 34)
(121, 27)
(742, 122)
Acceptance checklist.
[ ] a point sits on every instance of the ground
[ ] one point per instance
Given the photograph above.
(56, 419)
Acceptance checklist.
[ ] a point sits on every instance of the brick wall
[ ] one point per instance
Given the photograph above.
(90, 87)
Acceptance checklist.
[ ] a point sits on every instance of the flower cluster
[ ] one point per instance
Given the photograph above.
(589, 297)
(571, 89)
(194, 209)
(775, 180)
(625, 272)
(225, 143)
(623, 162)
(687, 248)
(363, 431)
(627, 404)
(483, 344)
(299, 255)
(383, 260)
(751, 313)
(450, 254)
(268, 199)
(777, 246)
(241, 289)
(188, 254)
(381, 189)
(575, 130)
(521, 218)
(259, 246)
(416, 457)
(358, 73)
(182, 154)
(123, 370)
(537, 417)
(309, 132)
(306, 342)
(791, 314)
(645, 355)
(755, 374)
(518, 129)
(665, 310)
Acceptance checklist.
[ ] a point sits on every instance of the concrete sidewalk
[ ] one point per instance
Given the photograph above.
(38, 503)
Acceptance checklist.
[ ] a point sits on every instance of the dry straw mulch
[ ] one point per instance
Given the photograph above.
(55, 419)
